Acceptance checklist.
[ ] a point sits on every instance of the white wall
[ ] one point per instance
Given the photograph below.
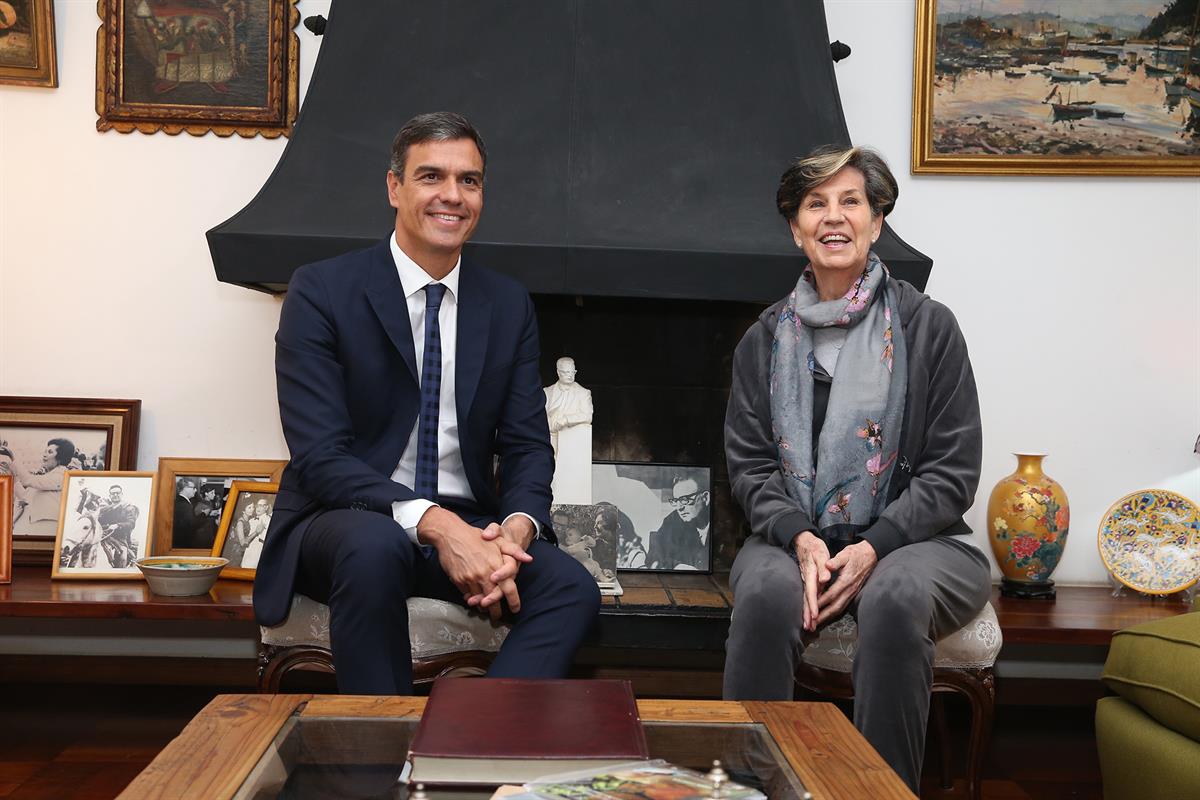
(1078, 296)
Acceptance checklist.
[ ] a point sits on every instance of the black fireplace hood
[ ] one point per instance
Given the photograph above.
(634, 145)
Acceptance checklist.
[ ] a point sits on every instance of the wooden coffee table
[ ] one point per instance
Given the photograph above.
(261, 737)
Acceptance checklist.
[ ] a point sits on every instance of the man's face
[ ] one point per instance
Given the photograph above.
(687, 500)
(114, 495)
(262, 508)
(566, 372)
(439, 202)
(188, 490)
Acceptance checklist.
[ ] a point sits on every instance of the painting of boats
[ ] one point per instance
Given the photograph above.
(1057, 86)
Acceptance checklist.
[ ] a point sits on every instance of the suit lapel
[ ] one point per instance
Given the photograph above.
(474, 322)
(386, 296)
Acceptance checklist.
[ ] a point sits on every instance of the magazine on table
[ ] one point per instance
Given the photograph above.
(637, 780)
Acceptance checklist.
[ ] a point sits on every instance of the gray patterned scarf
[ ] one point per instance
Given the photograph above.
(859, 439)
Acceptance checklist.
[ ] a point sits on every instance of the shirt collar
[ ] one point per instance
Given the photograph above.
(413, 279)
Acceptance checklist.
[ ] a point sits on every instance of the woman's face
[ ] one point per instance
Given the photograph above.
(834, 225)
(50, 456)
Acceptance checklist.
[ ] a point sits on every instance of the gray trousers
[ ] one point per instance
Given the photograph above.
(916, 594)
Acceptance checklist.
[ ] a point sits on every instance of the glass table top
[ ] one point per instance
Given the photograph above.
(314, 758)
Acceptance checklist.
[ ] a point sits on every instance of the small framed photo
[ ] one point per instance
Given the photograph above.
(192, 494)
(27, 52)
(589, 535)
(43, 437)
(6, 541)
(664, 514)
(244, 526)
(104, 524)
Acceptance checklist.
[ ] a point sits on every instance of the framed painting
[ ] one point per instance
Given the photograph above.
(663, 514)
(226, 66)
(43, 437)
(105, 524)
(6, 541)
(192, 498)
(27, 52)
(244, 526)
(1057, 87)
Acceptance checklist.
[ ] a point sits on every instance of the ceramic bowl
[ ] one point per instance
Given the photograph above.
(179, 576)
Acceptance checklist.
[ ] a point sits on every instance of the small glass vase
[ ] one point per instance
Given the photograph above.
(1028, 518)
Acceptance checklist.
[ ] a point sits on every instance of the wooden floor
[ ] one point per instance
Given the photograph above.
(88, 742)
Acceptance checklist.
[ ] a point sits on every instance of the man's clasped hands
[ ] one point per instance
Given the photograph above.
(482, 563)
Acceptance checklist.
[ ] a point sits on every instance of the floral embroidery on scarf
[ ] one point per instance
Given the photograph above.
(873, 433)
(876, 466)
(887, 339)
(837, 500)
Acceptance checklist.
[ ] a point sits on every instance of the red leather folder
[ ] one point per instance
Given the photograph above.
(498, 730)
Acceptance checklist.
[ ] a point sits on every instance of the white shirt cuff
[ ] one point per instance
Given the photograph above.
(408, 513)
(537, 526)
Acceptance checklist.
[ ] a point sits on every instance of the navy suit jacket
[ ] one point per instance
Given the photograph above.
(348, 400)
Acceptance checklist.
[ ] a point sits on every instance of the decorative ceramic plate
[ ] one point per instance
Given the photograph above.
(1150, 541)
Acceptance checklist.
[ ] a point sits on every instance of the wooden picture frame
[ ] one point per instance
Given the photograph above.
(103, 434)
(226, 66)
(197, 536)
(105, 524)
(653, 519)
(6, 539)
(243, 529)
(984, 90)
(28, 54)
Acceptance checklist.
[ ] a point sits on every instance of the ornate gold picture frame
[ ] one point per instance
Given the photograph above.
(27, 50)
(1023, 87)
(226, 66)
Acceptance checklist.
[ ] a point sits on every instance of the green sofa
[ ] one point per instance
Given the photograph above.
(1148, 735)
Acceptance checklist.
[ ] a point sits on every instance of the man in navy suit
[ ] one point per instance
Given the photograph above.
(402, 374)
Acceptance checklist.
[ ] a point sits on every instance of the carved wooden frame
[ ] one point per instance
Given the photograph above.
(44, 71)
(271, 121)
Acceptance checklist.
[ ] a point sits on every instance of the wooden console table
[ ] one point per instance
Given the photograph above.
(667, 632)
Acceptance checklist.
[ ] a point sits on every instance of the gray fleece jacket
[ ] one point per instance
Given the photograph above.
(941, 441)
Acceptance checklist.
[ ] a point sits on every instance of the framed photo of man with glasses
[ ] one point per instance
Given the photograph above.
(664, 514)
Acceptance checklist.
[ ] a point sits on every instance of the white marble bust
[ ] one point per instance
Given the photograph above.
(567, 403)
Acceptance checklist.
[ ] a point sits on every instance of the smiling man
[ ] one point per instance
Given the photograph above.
(403, 374)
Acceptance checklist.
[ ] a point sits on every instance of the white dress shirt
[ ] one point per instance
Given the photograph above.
(452, 475)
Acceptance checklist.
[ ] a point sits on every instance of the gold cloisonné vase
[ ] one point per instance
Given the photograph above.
(1028, 517)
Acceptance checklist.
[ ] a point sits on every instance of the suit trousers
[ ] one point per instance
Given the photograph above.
(365, 567)
(915, 595)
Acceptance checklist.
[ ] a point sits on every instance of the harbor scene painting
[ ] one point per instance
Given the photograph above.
(1058, 86)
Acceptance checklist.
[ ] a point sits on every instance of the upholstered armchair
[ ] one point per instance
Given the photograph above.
(446, 639)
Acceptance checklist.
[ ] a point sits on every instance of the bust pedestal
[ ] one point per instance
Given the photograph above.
(572, 482)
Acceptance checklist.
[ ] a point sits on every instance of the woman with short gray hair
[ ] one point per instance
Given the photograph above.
(853, 441)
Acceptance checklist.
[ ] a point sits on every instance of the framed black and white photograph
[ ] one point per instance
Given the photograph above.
(104, 524)
(243, 530)
(588, 533)
(664, 514)
(6, 487)
(192, 494)
(43, 437)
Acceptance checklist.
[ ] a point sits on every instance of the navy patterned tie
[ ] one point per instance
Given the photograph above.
(431, 396)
